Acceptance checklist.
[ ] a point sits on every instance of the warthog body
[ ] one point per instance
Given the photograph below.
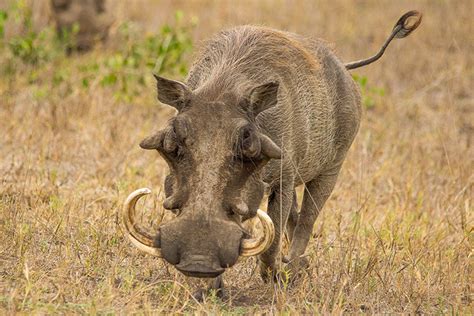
(314, 121)
(89, 15)
(260, 109)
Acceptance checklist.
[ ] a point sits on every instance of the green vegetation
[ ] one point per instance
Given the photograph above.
(160, 53)
(123, 70)
(30, 46)
(369, 93)
(3, 19)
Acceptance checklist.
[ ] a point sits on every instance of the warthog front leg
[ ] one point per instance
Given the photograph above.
(316, 193)
(215, 284)
(280, 202)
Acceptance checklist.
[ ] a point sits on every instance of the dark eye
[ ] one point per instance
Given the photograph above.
(170, 142)
(173, 145)
(169, 145)
(229, 212)
(248, 147)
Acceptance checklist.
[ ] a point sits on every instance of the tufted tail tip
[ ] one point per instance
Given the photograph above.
(408, 23)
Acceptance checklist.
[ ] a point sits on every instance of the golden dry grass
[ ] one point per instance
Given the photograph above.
(395, 237)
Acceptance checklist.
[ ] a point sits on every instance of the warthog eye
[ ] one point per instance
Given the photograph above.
(247, 147)
(230, 213)
(172, 146)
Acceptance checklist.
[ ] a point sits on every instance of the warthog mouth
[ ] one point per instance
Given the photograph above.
(146, 242)
(199, 270)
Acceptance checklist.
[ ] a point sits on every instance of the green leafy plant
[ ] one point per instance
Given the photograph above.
(30, 46)
(123, 70)
(174, 43)
(3, 19)
(369, 93)
(161, 53)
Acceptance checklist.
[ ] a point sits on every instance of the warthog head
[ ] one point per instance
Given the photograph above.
(89, 15)
(215, 154)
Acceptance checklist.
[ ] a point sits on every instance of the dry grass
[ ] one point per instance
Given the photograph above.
(396, 235)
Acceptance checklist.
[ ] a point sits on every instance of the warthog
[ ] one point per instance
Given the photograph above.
(260, 109)
(89, 15)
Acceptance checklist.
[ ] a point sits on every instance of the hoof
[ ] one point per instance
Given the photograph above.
(267, 273)
(199, 295)
(216, 287)
(293, 270)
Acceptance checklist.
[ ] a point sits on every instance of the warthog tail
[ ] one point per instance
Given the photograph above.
(405, 25)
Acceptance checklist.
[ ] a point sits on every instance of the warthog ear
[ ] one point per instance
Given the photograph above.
(263, 97)
(172, 92)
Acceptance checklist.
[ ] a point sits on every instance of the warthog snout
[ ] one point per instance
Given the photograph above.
(197, 246)
(182, 244)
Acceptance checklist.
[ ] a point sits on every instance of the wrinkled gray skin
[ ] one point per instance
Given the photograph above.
(89, 15)
(246, 82)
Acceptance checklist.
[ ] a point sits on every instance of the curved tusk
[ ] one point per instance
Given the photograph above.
(257, 245)
(140, 239)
